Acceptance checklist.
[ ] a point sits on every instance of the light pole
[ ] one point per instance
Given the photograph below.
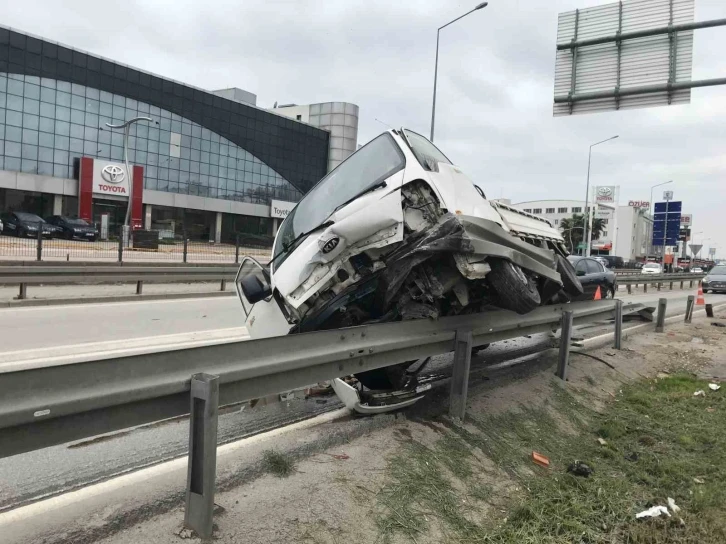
(436, 64)
(127, 126)
(585, 237)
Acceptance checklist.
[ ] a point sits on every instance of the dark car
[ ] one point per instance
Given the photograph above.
(70, 228)
(592, 275)
(613, 261)
(26, 224)
(715, 281)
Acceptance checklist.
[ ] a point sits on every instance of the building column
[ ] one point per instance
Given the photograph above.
(57, 204)
(218, 228)
(147, 217)
(85, 189)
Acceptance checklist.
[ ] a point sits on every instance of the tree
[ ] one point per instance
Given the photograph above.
(573, 230)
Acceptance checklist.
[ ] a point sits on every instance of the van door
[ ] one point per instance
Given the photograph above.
(263, 316)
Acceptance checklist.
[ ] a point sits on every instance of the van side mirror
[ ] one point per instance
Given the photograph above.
(254, 288)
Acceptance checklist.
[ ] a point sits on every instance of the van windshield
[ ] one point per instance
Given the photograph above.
(376, 161)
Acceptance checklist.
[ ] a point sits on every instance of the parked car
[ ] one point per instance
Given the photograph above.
(613, 261)
(651, 268)
(397, 232)
(2, 226)
(593, 274)
(715, 281)
(70, 228)
(26, 224)
(697, 270)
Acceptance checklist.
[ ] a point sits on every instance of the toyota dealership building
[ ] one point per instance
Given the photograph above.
(210, 163)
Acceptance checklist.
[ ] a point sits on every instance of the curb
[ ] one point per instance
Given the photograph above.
(114, 298)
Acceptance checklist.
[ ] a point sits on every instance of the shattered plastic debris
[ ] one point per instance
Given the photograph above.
(653, 512)
(602, 441)
(578, 468)
(540, 459)
(700, 393)
(714, 386)
(698, 481)
(673, 506)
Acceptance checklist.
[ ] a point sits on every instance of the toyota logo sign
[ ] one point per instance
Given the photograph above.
(604, 191)
(113, 174)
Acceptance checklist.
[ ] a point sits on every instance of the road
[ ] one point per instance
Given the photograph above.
(56, 326)
(30, 476)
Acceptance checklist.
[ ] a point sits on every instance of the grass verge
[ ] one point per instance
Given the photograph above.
(660, 442)
(277, 464)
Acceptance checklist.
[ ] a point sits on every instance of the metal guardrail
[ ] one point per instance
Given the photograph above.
(43, 405)
(658, 280)
(37, 275)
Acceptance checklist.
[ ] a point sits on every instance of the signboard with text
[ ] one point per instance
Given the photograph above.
(666, 223)
(686, 220)
(605, 194)
(639, 204)
(110, 178)
(280, 209)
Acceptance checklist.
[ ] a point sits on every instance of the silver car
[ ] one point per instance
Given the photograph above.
(715, 281)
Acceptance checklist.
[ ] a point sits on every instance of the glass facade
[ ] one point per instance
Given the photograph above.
(46, 124)
(55, 101)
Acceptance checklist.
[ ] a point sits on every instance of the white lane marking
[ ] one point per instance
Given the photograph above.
(84, 306)
(143, 475)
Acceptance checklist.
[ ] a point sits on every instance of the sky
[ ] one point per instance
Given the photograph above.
(496, 78)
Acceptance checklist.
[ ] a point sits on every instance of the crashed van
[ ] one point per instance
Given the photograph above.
(398, 232)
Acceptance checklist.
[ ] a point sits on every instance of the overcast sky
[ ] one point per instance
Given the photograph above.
(496, 70)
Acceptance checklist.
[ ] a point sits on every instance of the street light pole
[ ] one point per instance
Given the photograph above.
(585, 238)
(127, 127)
(436, 64)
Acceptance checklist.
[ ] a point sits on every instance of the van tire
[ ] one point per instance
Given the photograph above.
(513, 289)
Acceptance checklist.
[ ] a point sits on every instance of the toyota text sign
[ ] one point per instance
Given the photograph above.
(110, 178)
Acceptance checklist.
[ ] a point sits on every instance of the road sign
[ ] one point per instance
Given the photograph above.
(695, 248)
(667, 223)
(712, 252)
(667, 195)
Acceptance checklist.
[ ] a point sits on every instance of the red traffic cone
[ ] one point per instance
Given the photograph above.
(699, 300)
(598, 295)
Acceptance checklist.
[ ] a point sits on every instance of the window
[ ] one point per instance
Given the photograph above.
(426, 152)
(537, 210)
(605, 221)
(528, 210)
(561, 210)
(577, 209)
(557, 221)
(550, 210)
(604, 233)
(581, 267)
(594, 267)
(298, 117)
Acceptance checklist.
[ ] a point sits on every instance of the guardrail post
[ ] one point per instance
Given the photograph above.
(565, 339)
(689, 308)
(659, 283)
(645, 287)
(139, 287)
(709, 310)
(460, 376)
(23, 294)
(618, 324)
(691, 283)
(186, 247)
(660, 318)
(202, 467)
(39, 246)
(223, 285)
(671, 286)
(681, 284)
(236, 250)
(630, 289)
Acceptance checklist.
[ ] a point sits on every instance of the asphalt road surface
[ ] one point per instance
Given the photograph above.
(53, 326)
(38, 474)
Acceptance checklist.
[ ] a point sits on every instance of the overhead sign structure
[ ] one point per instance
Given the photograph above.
(629, 54)
(666, 223)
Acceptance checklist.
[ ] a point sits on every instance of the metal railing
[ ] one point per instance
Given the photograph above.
(37, 275)
(659, 280)
(143, 246)
(42, 405)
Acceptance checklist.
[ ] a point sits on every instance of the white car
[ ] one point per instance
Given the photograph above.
(651, 268)
(697, 270)
(398, 232)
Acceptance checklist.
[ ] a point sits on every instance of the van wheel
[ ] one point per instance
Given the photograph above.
(514, 290)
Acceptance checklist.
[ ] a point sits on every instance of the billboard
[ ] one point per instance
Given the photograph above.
(621, 55)
(667, 223)
(606, 194)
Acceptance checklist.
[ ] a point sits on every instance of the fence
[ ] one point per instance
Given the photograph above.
(143, 246)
